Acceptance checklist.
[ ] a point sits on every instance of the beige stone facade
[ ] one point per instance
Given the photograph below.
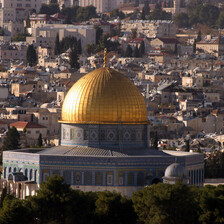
(150, 29)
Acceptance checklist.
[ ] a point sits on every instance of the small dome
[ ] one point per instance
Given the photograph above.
(175, 170)
(104, 96)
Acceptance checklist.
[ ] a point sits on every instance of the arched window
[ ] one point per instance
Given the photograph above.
(14, 170)
(130, 179)
(35, 175)
(98, 178)
(31, 174)
(67, 176)
(121, 178)
(140, 179)
(4, 174)
(10, 169)
(26, 173)
(77, 178)
(88, 178)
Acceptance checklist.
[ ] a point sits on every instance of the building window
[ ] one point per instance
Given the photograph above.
(72, 133)
(77, 178)
(35, 175)
(67, 177)
(109, 178)
(98, 178)
(14, 170)
(140, 179)
(121, 178)
(31, 174)
(5, 172)
(26, 172)
(10, 169)
(88, 178)
(130, 179)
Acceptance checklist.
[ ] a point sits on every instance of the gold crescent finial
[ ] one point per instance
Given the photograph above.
(105, 58)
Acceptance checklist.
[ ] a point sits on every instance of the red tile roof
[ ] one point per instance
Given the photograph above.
(169, 40)
(25, 124)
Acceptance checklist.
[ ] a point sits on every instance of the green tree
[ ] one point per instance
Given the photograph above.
(49, 9)
(86, 13)
(143, 15)
(20, 37)
(57, 48)
(128, 52)
(79, 46)
(67, 42)
(159, 14)
(199, 36)
(11, 140)
(90, 48)
(142, 48)
(99, 33)
(209, 14)
(52, 201)
(187, 145)
(155, 141)
(14, 211)
(40, 141)
(211, 204)
(194, 46)
(3, 195)
(31, 56)
(166, 203)
(214, 165)
(73, 58)
(145, 10)
(220, 20)
(2, 32)
(116, 13)
(182, 20)
(112, 208)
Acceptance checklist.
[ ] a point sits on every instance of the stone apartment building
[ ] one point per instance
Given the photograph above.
(150, 29)
(12, 52)
(39, 19)
(101, 5)
(13, 10)
(212, 45)
(17, 89)
(45, 34)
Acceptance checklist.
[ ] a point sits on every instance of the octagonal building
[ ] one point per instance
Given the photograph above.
(104, 143)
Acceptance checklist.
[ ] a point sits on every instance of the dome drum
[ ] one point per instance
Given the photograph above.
(114, 136)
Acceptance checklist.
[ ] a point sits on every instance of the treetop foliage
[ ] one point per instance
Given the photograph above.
(56, 202)
(11, 140)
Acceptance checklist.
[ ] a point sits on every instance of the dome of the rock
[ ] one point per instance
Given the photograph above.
(104, 96)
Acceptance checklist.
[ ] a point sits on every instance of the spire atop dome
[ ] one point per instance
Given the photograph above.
(105, 58)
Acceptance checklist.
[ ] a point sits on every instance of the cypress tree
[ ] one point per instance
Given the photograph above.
(57, 48)
(79, 46)
(31, 56)
(73, 58)
(142, 48)
(128, 52)
(155, 141)
(40, 141)
(136, 52)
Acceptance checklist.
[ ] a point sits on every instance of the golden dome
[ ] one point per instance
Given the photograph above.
(104, 96)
